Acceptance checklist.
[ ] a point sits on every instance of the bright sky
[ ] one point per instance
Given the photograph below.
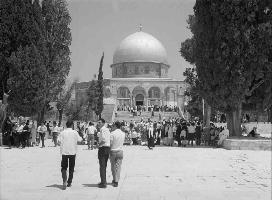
(100, 25)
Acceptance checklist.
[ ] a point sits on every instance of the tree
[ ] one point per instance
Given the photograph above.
(64, 98)
(99, 89)
(3, 113)
(17, 28)
(194, 106)
(57, 39)
(232, 52)
(22, 56)
(75, 111)
(26, 81)
(39, 28)
(92, 98)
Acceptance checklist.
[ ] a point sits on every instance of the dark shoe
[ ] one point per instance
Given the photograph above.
(102, 185)
(64, 185)
(69, 185)
(115, 184)
(64, 178)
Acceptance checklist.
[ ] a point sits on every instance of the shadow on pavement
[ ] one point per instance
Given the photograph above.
(55, 186)
(90, 185)
(93, 185)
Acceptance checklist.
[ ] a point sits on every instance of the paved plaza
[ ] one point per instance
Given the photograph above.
(162, 173)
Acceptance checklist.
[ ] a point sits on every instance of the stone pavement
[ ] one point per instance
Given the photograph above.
(163, 173)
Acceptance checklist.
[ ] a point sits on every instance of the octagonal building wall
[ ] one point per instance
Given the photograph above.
(139, 70)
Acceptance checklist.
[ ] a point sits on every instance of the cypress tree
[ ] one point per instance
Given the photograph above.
(99, 89)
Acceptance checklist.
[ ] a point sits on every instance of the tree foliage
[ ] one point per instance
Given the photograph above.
(17, 28)
(99, 88)
(26, 81)
(64, 98)
(92, 95)
(194, 106)
(57, 39)
(22, 56)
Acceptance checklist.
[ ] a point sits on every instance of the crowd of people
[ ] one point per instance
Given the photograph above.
(173, 132)
(148, 108)
(168, 132)
(26, 133)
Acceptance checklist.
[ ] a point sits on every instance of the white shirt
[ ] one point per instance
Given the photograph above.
(191, 129)
(42, 129)
(20, 129)
(104, 137)
(68, 141)
(117, 139)
(55, 129)
(134, 134)
(91, 130)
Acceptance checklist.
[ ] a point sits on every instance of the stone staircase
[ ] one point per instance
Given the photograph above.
(127, 116)
(107, 112)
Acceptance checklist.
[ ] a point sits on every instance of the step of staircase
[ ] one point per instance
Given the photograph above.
(127, 116)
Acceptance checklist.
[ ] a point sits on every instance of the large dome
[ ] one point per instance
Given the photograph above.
(140, 47)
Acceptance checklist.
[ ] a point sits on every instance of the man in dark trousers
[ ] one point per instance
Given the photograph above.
(103, 151)
(117, 139)
(198, 134)
(68, 149)
(178, 131)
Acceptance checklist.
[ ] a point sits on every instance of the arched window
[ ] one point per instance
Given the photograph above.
(123, 92)
(154, 93)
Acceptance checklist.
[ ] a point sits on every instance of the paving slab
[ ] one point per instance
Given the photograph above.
(163, 173)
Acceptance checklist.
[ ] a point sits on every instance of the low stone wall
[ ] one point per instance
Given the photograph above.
(264, 129)
(247, 144)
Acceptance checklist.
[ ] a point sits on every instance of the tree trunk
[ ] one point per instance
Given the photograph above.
(207, 114)
(234, 121)
(229, 122)
(269, 112)
(41, 116)
(60, 116)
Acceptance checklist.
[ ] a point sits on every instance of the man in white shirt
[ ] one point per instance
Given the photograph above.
(191, 133)
(117, 139)
(42, 131)
(90, 133)
(55, 131)
(103, 151)
(68, 149)
(20, 133)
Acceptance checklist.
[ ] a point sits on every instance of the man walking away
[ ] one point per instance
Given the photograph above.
(117, 139)
(103, 151)
(90, 133)
(68, 149)
(55, 131)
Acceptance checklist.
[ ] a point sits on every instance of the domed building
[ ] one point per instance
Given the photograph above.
(140, 75)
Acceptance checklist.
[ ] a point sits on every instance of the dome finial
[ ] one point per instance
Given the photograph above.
(140, 27)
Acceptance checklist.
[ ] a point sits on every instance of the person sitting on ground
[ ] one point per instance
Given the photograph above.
(224, 134)
(253, 132)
